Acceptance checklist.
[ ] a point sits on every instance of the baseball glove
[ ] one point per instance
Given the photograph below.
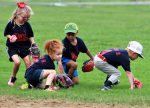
(138, 84)
(88, 66)
(63, 81)
(35, 52)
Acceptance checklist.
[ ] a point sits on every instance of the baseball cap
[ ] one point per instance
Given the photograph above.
(136, 47)
(71, 27)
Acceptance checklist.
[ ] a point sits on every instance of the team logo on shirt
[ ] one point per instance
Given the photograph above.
(21, 37)
(74, 56)
(43, 60)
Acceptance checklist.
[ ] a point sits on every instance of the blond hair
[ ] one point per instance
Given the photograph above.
(53, 45)
(18, 10)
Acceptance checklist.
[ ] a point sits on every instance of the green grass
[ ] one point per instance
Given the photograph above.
(101, 27)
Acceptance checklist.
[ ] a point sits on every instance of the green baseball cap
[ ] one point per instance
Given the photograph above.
(71, 27)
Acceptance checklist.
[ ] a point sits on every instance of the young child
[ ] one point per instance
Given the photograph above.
(108, 61)
(73, 46)
(44, 68)
(19, 38)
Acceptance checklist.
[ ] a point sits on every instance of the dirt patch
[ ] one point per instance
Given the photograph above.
(13, 102)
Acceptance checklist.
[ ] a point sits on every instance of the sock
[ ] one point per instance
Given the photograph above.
(108, 83)
(13, 79)
(107, 78)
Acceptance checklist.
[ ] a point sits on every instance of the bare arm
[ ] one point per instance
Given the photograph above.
(60, 67)
(89, 54)
(8, 36)
(31, 40)
(131, 79)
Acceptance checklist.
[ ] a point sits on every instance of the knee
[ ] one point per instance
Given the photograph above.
(74, 65)
(17, 63)
(53, 72)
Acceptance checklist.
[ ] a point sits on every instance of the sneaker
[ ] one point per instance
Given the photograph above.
(56, 87)
(51, 89)
(105, 88)
(25, 86)
(12, 81)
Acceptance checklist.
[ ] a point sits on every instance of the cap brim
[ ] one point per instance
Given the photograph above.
(70, 31)
(141, 56)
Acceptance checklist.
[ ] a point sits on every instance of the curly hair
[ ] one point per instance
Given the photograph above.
(53, 45)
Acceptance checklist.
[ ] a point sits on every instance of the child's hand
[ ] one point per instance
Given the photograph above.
(13, 38)
(137, 83)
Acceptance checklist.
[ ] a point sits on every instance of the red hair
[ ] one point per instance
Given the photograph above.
(52, 45)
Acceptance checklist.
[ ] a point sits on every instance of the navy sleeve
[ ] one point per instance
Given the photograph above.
(126, 65)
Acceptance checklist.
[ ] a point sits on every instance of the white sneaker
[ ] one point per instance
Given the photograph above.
(12, 81)
(56, 87)
(105, 88)
(51, 89)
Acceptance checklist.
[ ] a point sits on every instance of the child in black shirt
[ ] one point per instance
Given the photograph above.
(20, 37)
(44, 68)
(73, 46)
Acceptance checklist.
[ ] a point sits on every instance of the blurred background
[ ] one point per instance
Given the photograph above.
(4, 1)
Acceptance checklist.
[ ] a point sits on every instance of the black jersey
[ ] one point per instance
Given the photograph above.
(117, 57)
(33, 73)
(22, 32)
(72, 52)
(44, 62)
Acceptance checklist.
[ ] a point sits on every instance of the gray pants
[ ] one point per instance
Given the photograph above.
(110, 70)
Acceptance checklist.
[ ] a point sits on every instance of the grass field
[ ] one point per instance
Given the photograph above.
(101, 27)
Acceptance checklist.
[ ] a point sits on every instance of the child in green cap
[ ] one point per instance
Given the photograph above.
(73, 46)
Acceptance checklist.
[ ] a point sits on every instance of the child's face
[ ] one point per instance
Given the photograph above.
(134, 56)
(23, 17)
(71, 36)
(57, 55)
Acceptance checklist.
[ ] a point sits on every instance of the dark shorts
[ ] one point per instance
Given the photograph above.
(22, 52)
(66, 68)
(34, 77)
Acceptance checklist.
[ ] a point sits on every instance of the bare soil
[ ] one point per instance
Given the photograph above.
(14, 102)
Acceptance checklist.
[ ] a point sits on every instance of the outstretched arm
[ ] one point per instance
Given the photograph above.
(131, 79)
(60, 67)
(89, 54)
(31, 40)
